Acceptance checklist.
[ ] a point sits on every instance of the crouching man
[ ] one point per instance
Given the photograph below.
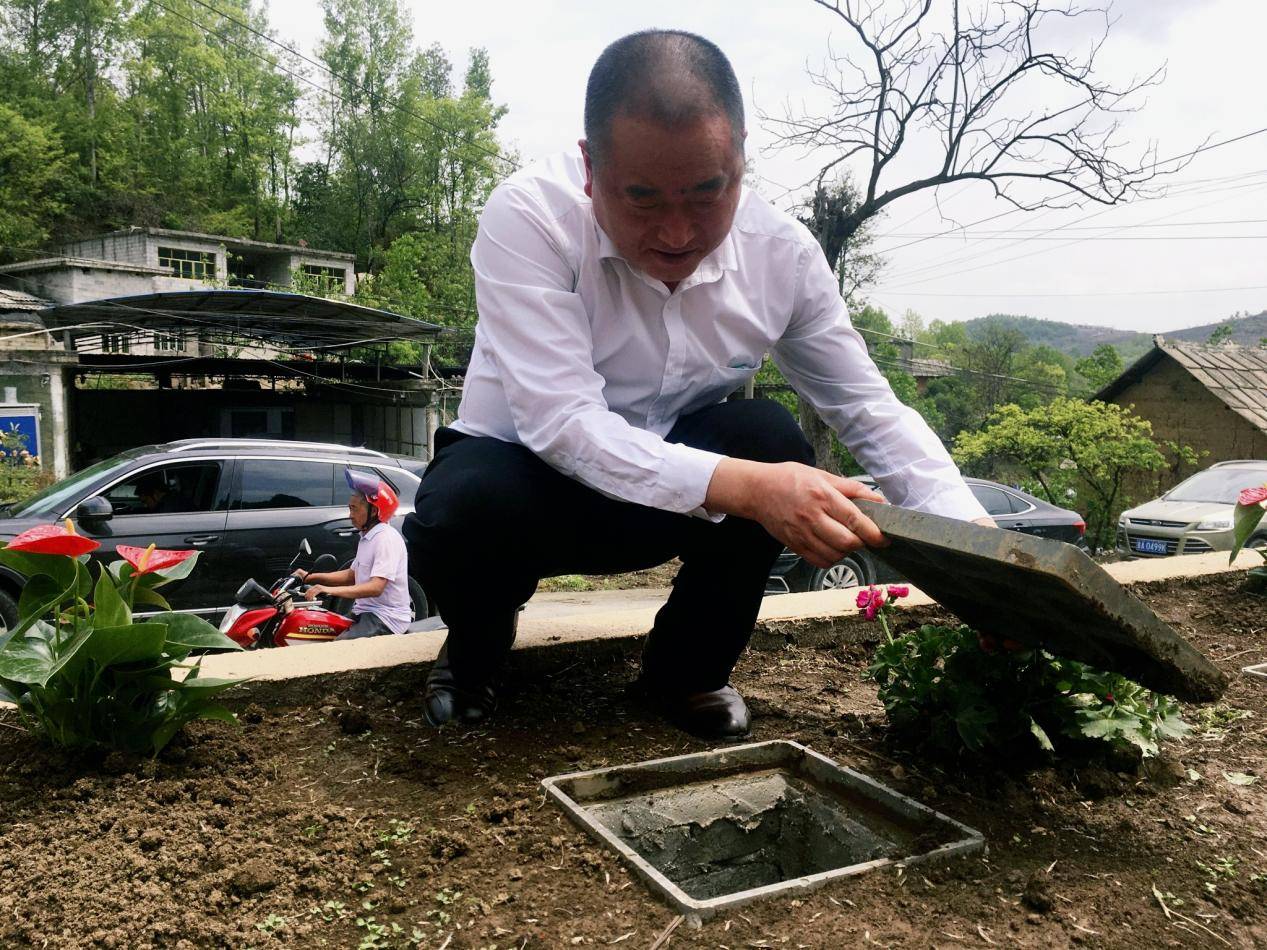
(624, 292)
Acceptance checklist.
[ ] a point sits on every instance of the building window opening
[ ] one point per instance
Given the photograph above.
(327, 278)
(169, 342)
(190, 265)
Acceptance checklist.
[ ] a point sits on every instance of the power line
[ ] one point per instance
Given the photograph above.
(955, 259)
(1187, 155)
(1089, 293)
(961, 270)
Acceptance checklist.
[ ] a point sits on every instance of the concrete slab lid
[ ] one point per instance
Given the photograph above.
(1258, 669)
(1044, 593)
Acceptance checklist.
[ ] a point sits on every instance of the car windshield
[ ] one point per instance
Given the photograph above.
(1217, 485)
(52, 500)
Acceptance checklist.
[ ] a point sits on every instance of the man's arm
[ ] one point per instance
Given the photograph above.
(826, 361)
(332, 577)
(373, 587)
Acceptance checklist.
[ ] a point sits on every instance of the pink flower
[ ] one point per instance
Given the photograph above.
(873, 608)
(898, 590)
(1252, 496)
(865, 596)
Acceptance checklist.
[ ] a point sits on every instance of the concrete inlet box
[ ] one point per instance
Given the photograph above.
(714, 830)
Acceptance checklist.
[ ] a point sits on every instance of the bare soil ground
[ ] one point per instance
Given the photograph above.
(336, 818)
(656, 577)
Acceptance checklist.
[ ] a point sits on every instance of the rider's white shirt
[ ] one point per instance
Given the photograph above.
(381, 553)
(588, 362)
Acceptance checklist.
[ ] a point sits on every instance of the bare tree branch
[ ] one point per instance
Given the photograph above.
(1037, 124)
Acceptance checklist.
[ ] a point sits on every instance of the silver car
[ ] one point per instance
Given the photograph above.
(1193, 517)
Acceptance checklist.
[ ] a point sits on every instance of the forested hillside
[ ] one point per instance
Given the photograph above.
(189, 115)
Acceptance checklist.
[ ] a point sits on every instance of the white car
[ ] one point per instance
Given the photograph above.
(1193, 517)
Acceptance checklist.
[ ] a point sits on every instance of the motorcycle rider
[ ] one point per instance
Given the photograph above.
(378, 580)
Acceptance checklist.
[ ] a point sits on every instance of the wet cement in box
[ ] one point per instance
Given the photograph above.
(718, 829)
(716, 838)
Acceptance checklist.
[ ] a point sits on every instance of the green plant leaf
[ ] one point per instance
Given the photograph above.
(1041, 735)
(127, 643)
(1245, 520)
(189, 632)
(56, 566)
(26, 660)
(148, 597)
(110, 608)
(40, 597)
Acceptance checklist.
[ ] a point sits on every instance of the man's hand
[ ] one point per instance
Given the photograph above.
(986, 522)
(300, 573)
(809, 510)
(317, 590)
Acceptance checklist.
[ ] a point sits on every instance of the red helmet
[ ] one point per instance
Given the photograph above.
(378, 493)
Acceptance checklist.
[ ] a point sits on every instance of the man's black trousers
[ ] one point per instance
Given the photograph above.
(491, 519)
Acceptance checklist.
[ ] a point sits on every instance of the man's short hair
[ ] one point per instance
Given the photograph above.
(670, 76)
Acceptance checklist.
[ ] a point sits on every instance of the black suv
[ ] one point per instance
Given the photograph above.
(244, 503)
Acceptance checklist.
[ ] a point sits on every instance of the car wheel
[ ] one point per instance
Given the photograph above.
(1257, 543)
(8, 612)
(845, 573)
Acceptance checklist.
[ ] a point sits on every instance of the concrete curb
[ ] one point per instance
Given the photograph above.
(797, 617)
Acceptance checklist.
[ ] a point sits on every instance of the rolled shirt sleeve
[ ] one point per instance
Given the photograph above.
(826, 361)
(535, 328)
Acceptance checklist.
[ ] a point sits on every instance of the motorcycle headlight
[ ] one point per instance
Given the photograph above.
(1214, 524)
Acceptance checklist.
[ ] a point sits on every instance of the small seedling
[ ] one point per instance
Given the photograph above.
(271, 924)
(397, 832)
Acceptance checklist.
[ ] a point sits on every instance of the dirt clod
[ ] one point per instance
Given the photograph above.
(1037, 896)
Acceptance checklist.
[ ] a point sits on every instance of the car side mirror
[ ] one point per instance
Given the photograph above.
(94, 509)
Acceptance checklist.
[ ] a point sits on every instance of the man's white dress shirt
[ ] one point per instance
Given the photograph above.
(588, 362)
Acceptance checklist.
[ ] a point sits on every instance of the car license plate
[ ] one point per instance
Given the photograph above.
(1149, 546)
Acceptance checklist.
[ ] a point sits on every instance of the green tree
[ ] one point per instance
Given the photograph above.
(1221, 334)
(1100, 368)
(1092, 449)
(31, 168)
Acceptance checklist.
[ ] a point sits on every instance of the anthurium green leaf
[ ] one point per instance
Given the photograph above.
(40, 597)
(127, 643)
(208, 685)
(56, 566)
(188, 632)
(26, 660)
(111, 611)
(11, 691)
(1245, 520)
(83, 581)
(146, 597)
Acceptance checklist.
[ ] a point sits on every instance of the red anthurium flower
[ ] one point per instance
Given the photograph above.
(53, 539)
(149, 560)
(1252, 496)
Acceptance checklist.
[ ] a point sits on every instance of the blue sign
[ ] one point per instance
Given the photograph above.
(24, 421)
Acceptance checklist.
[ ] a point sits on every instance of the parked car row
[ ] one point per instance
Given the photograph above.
(1011, 509)
(244, 503)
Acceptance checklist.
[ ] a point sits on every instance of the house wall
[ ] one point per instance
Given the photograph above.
(1183, 410)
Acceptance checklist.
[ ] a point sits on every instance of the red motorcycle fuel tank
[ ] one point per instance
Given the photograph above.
(306, 625)
(247, 621)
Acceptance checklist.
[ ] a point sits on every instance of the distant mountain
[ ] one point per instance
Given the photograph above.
(1247, 330)
(1079, 340)
(1075, 339)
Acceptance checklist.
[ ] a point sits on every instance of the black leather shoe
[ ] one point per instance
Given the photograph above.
(716, 714)
(445, 701)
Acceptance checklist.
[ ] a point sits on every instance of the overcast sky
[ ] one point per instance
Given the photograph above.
(541, 53)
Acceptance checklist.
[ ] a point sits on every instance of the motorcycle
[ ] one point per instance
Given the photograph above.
(281, 615)
(261, 618)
